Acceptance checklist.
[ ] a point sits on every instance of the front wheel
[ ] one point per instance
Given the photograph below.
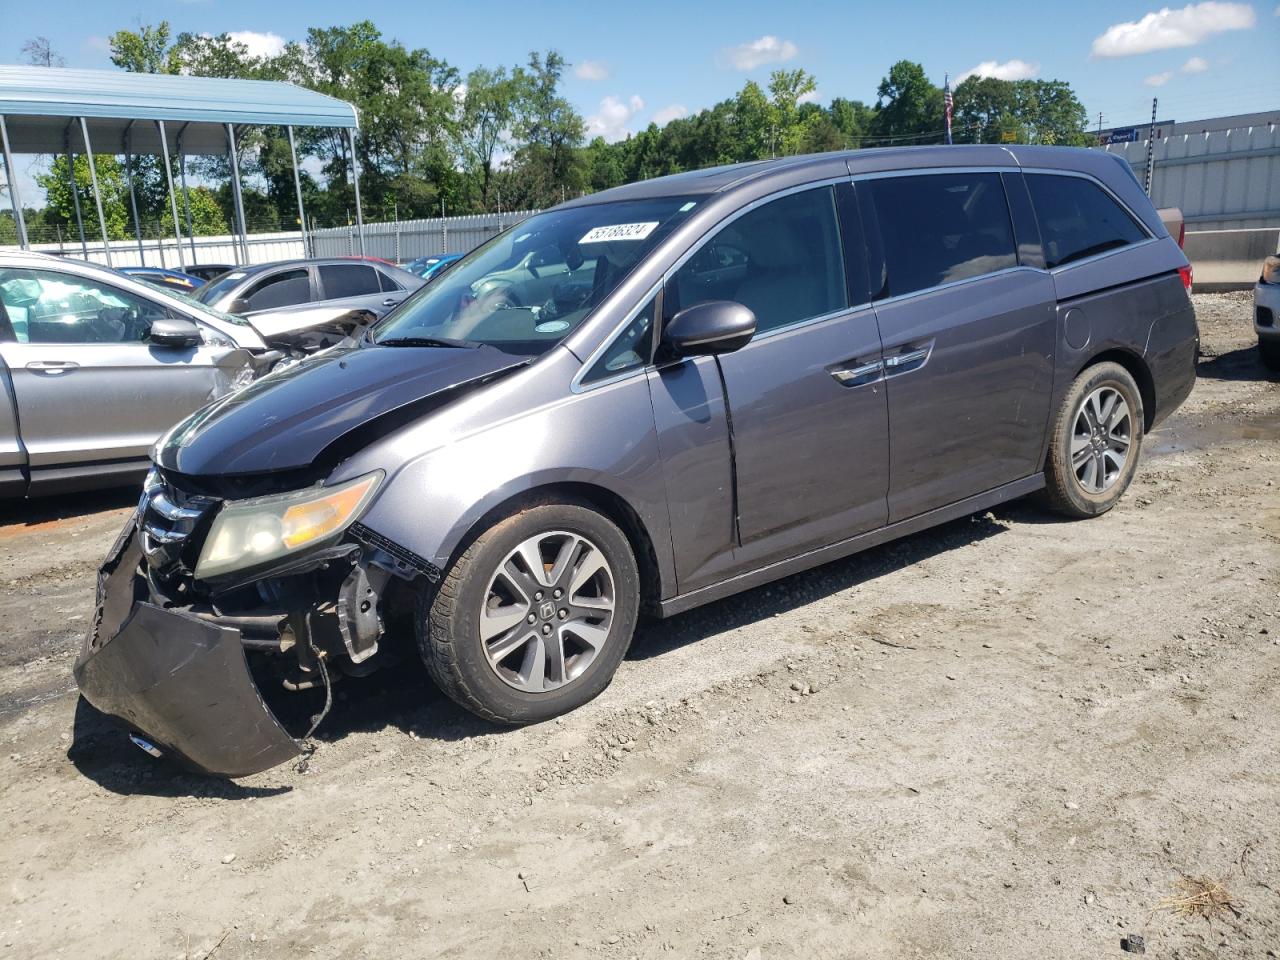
(1097, 437)
(535, 616)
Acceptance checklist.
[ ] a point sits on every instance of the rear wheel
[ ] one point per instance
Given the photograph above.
(535, 616)
(1269, 351)
(1096, 441)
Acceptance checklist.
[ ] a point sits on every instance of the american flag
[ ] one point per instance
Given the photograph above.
(947, 102)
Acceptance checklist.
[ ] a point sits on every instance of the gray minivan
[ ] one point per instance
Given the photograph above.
(744, 372)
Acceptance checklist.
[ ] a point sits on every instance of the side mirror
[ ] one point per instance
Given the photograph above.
(174, 332)
(716, 326)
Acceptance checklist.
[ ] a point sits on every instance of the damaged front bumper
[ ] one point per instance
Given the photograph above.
(180, 681)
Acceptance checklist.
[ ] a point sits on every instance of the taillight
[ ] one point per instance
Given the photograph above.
(1185, 273)
(1182, 234)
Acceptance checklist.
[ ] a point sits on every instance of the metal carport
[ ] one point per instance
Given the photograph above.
(56, 110)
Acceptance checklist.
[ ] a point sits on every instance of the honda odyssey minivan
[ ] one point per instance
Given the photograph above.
(736, 374)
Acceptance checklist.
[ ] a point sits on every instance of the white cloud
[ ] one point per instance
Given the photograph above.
(1195, 65)
(667, 114)
(767, 49)
(591, 70)
(1166, 29)
(813, 96)
(100, 44)
(1009, 70)
(611, 120)
(259, 44)
(1158, 79)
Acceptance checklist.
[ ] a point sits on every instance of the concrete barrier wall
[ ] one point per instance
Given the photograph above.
(1229, 259)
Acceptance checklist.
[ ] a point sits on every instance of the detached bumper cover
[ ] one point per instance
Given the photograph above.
(180, 681)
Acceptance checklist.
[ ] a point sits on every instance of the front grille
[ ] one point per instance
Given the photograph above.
(168, 518)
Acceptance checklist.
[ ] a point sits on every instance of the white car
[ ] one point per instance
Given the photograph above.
(95, 365)
(1266, 313)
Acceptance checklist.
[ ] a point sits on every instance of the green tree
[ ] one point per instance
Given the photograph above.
(786, 89)
(60, 201)
(488, 109)
(907, 105)
(207, 217)
(145, 50)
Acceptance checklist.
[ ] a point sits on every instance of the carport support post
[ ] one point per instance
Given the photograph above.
(355, 177)
(186, 196)
(235, 192)
(133, 194)
(297, 187)
(173, 197)
(75, 193)
(97, 194)
(12, 177)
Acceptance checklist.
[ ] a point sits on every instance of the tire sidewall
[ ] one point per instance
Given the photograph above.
(1103, 375)
(517, 706)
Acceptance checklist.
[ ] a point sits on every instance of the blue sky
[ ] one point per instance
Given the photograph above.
(636, 62)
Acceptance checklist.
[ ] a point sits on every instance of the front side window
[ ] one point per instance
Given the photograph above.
(1078, 218)
(348, 280)
(630, 350)
(283, 289)
(44, 306)
(782, 260)
(939, 228)
(528, 288)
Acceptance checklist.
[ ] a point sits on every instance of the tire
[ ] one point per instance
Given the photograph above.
(534, 670)
(1269, 352)
(1105, 453)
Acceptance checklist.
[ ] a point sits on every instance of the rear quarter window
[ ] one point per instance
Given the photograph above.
(1078, 219)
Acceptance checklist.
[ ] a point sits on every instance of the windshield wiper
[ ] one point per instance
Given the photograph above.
(424, 342)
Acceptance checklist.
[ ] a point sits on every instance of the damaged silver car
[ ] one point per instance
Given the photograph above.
(643, 400)
(95, 365)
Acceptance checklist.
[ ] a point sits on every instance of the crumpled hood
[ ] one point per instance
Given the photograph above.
(287, 419)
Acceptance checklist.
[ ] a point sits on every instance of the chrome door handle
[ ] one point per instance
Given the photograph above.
(901, 362)
(856, 376)
(52, 366)
(390, 302)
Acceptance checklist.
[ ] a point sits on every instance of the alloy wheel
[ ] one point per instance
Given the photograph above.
(547, 611)
(1100, 439)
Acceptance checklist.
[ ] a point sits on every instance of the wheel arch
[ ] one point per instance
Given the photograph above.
(608, 503)
(1138, 369)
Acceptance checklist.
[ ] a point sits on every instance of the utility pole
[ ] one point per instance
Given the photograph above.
(1151, 148)
(1099, 126)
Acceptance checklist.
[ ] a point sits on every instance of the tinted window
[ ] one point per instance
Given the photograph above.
(282, 289)
(1078, 218)
(48, 307)
(348, 280)
(941, 228)
(388, 285)
(630, 349)
(783, 260)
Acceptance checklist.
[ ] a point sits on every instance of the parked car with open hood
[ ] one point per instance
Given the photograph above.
(374, 286)
(737, 374)
(95, 365)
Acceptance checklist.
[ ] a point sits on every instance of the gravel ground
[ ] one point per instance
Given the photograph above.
(1006, 736)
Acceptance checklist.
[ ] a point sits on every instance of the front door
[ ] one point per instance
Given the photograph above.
(969, 335)
(88, 386)
(808, 417)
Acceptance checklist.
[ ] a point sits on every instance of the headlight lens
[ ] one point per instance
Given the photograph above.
(1271, 270)
(247, 533)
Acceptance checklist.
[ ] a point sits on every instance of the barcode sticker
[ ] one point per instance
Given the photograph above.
(618, 231)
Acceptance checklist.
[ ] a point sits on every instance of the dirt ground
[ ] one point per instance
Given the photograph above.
(1007, 737)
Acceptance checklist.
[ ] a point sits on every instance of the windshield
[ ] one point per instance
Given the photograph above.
(217, 288)
(205, 308)
(525, 290)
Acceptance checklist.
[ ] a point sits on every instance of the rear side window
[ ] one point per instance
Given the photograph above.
(388, 285)
(1078, 218)
(783, 260)
(939, 228)
(348, 280)
(282, 289)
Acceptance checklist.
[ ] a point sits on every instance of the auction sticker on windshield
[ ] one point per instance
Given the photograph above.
(618, 231)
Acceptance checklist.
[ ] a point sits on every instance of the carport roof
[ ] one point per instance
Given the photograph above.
(40, 104)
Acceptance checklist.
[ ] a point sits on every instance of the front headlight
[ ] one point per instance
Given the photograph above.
(247, 533)
(1271, 270)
